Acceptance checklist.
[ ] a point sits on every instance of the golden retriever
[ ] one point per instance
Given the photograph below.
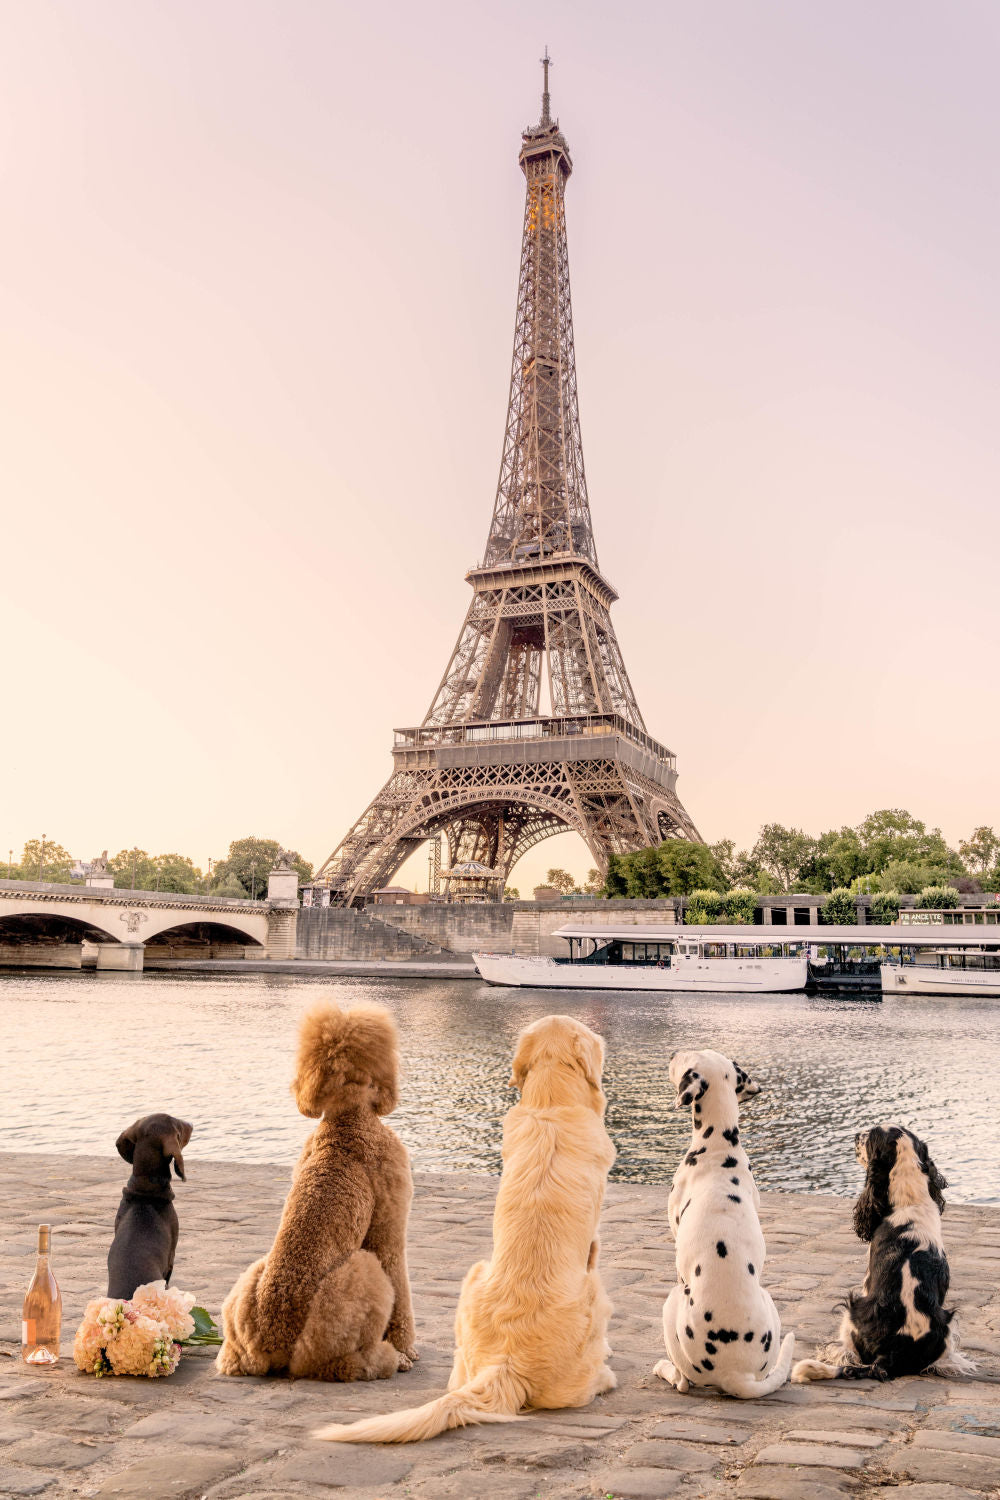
(531, 1325)
(331, 1300)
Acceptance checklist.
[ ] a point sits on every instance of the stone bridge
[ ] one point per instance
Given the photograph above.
(74, 926)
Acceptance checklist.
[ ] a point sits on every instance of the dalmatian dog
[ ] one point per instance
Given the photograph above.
(719, 1324)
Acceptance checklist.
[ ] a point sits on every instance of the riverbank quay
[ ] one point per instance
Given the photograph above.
(199, 1434)
(371, 968)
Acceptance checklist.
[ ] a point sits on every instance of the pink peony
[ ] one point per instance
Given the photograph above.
(172, 1308)
(143, 1347)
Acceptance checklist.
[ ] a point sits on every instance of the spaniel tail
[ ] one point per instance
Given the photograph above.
(495, 1395)
(746, 1387)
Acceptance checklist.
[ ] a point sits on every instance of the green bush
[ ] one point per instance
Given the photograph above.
(740, 906)
(884, 909)
(704, 907)
(839, 909)
(932, 897)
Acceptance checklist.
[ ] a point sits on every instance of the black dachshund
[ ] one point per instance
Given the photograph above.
(146, 1225)
(897, 1324)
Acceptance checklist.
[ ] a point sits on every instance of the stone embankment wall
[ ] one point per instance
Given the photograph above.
(400, 932)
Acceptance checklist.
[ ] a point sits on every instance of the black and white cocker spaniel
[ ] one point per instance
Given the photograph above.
(897, 1324)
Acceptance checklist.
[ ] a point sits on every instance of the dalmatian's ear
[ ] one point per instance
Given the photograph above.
(745, 1086)
(690, 1087)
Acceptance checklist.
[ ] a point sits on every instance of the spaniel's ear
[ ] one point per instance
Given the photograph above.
(745, 1086)
(125, 1144)
(588, 1049)
(936, 1183)
(873, 1205)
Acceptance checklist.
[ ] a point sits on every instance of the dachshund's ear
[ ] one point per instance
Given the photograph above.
(173, 1144)
(125, 1144)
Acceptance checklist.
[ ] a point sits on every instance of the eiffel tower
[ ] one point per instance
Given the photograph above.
(534, 728)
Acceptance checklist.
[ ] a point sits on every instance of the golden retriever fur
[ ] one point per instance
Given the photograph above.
(331, 1300)
(531, 1325)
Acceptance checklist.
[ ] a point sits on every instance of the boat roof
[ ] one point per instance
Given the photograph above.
(924, 936)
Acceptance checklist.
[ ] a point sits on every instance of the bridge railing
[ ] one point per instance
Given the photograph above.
(120, 893)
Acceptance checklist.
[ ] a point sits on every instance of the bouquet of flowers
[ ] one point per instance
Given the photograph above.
(142, 1335)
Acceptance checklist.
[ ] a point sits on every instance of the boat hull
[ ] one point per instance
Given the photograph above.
(921, 979)
(713, 975)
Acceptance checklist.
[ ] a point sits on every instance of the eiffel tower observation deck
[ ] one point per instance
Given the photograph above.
(535, 728)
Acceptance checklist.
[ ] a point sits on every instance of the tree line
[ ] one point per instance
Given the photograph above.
(243, 873)
(889, 853)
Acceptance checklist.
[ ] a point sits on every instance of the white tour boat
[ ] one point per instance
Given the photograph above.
(649, 958)
(969, 969)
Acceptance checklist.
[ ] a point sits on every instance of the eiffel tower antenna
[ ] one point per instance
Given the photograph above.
(534, 728)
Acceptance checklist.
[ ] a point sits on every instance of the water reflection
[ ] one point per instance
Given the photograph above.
(86, 1054)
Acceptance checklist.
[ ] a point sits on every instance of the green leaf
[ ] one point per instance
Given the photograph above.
(205, 1330)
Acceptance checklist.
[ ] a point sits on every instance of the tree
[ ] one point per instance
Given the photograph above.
(884, 908)
(893, 833)
(837, 859)
(175, 872)
(910, 876)
(593, 885)
(980, 850)
(45, 860)
(934, 897)
(685, 867)
(561, 880)
(230, 888)
(511, 893)
(251, 861)
(134, 870)
(839, 910)
(616, 881)
(725, 856)
(783, 852)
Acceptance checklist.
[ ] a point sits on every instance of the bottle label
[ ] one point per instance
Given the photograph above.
(27, 1331)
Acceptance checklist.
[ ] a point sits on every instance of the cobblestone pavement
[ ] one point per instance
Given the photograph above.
(198, 1434)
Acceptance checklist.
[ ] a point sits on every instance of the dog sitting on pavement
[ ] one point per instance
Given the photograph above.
(331, 1299)
(897, 1324)
(720, 1326)
(146, 1226)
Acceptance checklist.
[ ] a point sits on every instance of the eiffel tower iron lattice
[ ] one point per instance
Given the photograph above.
(493, 767)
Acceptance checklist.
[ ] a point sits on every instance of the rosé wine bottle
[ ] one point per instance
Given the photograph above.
(41, 1315)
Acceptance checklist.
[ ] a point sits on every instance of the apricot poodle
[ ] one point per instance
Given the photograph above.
(331, 1301)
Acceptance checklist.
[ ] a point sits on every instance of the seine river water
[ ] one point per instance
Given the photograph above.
(85, 1054)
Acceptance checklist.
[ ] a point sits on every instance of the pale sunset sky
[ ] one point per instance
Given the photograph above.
(257, 288)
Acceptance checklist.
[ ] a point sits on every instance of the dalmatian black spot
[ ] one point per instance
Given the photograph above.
(735, 1181)
(689, 1332)
(765, 1339)
(710, 1349)
(732, 1135)
(730, 1162)
(697, 1270)
(696, 1367)
(684, 1210)
(748, 1337)
(708, 1365)
(708, 1317)
(734, 1197)
(728, 1335)
(750, 1268)
(720, 1249)
(708, 1131)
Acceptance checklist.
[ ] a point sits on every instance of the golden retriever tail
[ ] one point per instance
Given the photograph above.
(746, 1387)
(495, 1395)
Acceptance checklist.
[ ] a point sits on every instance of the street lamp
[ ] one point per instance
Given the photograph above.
(135, 853)
(10, 862)
(41, 857)
(253, 880)
(208, 877)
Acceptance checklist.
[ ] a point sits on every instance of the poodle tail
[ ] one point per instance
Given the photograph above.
(746, 1387)
(495, 1395)
(815, 1369)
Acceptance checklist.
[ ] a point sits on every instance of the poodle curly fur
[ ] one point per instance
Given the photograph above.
(331, 1301)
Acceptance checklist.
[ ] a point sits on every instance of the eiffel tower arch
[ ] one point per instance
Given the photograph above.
(534, 728)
